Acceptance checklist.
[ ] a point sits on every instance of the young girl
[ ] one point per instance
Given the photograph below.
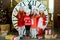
(34, 21)
(27, 21)
(34, 26)
(41, 24)
(20, 24)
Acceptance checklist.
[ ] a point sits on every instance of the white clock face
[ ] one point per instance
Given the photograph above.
(29, 4)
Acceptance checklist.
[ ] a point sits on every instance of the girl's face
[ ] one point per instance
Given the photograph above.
(27, 14)
(35, 11)
(41, 11)
(21, 9)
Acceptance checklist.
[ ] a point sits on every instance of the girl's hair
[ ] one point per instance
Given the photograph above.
(42, 15)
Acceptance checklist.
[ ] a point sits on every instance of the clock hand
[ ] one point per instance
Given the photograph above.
(30, 7)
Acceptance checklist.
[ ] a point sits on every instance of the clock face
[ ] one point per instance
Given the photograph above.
(28, 4)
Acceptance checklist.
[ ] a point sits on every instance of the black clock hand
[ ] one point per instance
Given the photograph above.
(30, 7)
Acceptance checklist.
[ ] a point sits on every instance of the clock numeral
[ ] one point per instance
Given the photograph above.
(20, 4)
(38, 5)
(15, 26)
(29, 5)
(46, 15)
(14, 20)
(44, 9)
(34, 3)
(15, 23)
(14, 16)
(15, 12)
(16, 9)
(24, 4)
(29, 1)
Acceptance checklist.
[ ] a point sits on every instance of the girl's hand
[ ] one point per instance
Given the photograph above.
(37, 28)
(19, 15)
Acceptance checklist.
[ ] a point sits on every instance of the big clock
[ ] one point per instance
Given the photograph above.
(27, 4)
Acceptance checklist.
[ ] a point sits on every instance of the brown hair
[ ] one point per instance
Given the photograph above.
(42, 15)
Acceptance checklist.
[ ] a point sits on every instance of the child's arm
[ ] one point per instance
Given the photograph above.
(45, 18)
(18, 15)
(44, 22)
(37, 16)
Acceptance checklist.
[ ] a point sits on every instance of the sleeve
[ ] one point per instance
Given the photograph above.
(37, 16)
(24, 18)
(44, 21)
(44, 18)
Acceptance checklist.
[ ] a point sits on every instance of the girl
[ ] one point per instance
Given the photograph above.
(27, 21)
(34, 20)
(41, 23)
(20, 17)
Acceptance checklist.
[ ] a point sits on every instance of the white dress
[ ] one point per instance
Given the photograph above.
(40, 23)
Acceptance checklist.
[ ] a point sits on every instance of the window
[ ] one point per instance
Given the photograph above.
(51, 6)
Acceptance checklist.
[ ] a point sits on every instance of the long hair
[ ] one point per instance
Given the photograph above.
(42, 14)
